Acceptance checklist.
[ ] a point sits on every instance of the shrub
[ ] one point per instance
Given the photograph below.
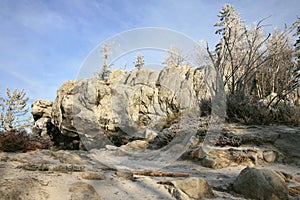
(250, 110)
(205, 107)
(21, 141)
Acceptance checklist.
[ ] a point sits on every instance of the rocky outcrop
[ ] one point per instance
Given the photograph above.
(127, 103)
(261, 184)
(249, 146)
(42, 112)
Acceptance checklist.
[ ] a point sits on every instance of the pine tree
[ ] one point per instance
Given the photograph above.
(105, 66)
(231, 47)
(139, 63)
(13, 111)
(240, 52)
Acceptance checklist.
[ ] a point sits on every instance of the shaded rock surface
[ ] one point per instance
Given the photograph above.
(261, 184)
(258, 145)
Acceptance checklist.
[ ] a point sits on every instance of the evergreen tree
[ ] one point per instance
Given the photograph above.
(105, 66)
(231, 47)
(139, 63)
(239, 53)
(13, 111)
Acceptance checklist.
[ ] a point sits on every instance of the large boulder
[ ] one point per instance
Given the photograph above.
(288, 143)
(143, 98)
(261, 184)
(127, 102)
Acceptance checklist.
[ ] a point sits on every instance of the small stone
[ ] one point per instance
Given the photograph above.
(124, 173)
(83, 191)
(93, 176)
(214, 162)
(138, 144)
(269, 156)
(178, 194)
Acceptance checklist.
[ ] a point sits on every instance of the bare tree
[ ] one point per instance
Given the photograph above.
(239, 53)
(175, 58)
(139, 63)
(282, 69)
(13, 111)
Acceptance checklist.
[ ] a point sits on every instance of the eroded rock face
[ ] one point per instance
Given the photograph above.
(41, 109)
(42, 112)
(142, 99)
(261, 184)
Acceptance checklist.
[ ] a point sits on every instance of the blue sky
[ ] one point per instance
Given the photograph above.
(43, 43)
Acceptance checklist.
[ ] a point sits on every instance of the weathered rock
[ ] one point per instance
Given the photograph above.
(150, 135)
(261, 184)
(22, 189)
(128, 102)
(178, 194)
(41, 112)
(116, 76)
(215, 162)
(289, 144)
(62, 111)
(93, 176)
(137, 144)
(228, 138)
(111, 147)
(41, 108)
(127, 174)
(195, 188)
(218, 159)
(41, 126)
(269, 156)
(70, 158)
(83, 191)
(294, 191)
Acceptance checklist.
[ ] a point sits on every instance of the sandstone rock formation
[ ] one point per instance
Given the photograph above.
(127, 103)
(41, 112)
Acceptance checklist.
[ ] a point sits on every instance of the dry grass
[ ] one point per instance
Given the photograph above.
(21, 141)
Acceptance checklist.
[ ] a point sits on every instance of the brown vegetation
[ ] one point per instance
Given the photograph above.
(21, 141)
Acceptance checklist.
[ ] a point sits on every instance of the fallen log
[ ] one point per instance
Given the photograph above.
(159, 173)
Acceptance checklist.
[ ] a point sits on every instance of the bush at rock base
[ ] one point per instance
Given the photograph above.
(21, 141)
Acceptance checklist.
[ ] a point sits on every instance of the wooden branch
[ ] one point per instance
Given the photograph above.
(159, 173)
(165, 182)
